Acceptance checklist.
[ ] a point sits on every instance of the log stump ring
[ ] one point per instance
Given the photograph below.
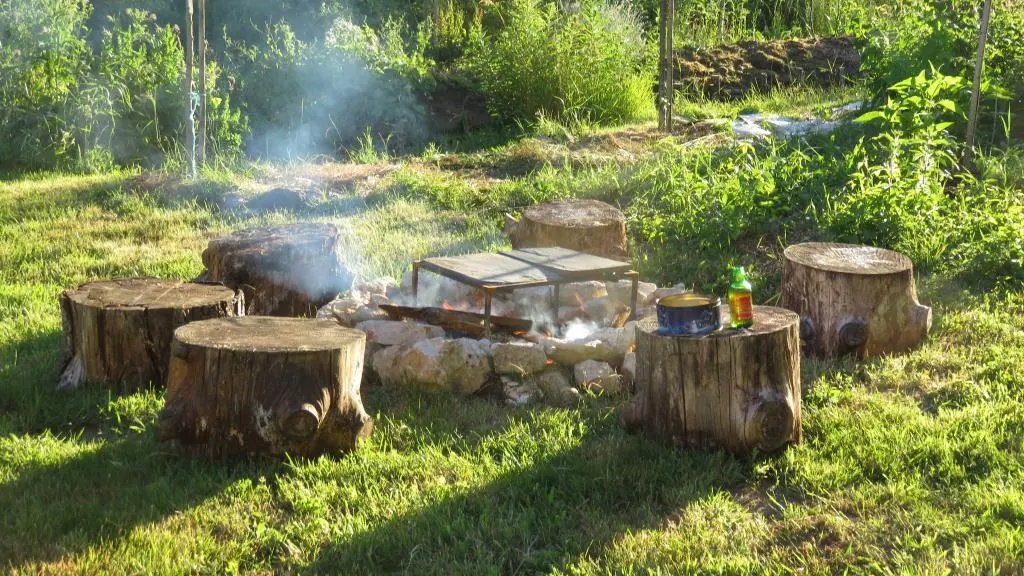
(853, 299)
(118, 332)
(737, 390)
(588, 226)
(289, 270)
(265, 386)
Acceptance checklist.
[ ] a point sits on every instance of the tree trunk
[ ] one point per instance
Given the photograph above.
(265, 386)
(853, 299)
(289, 270)
(118, 332)
(738, 390)
(587, 226)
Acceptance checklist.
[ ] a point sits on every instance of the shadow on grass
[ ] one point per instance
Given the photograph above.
(542, 515)
(65, 505)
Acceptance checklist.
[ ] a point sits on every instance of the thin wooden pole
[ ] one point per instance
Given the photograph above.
(190, 133)
(972, 122)
(666, 64)
(202, 83)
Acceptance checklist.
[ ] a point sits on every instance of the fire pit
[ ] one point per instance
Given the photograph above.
(526, 268)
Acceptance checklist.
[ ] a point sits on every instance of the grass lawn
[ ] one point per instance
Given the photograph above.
(910, 464)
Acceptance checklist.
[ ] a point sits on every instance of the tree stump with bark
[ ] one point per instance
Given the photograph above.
(265, 386)
(853, 299)
(587, 226)
(289, 270)
(734, 389)
(118, 332)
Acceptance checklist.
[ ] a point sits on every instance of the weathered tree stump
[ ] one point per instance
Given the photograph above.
(853, 299)
(265, 386)
(118, 332)
(588, 226)
(289, 270)
(737, 390)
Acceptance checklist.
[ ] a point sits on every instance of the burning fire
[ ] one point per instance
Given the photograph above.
(447, 306)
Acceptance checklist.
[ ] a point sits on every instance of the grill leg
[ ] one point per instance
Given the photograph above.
(487, 314)
(554, 309)
(635, 277)
(415, 283)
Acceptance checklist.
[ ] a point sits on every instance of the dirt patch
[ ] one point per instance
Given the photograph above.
(732, 71)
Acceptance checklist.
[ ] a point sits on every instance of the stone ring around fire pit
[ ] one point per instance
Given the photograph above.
(526, 268)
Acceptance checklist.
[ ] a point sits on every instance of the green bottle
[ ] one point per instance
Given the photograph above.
(741, 299)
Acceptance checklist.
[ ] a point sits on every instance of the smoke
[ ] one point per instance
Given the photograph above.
(350, 89)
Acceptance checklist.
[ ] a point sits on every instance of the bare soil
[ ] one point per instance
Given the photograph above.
(730, 72)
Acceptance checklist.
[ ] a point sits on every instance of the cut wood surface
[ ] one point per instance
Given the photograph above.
(289, 270)
(118, 332)
(737, 390)
(853, 299)
(265, 386)
(589, 226)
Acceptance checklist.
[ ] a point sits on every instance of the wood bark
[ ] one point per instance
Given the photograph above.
(118, 332)
(265, 386)
(587, 226)
(853, 299)
(289, 270)
(737, 390)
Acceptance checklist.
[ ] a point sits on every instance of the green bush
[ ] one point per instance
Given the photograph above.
(66, 104)
(585, 65)
(319, 97)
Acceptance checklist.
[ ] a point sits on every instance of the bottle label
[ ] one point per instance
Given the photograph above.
(743, 307)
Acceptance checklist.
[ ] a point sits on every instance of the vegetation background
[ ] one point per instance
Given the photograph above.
(421, 136)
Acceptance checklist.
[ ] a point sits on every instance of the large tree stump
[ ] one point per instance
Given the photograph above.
(289, 270)
(853, 299)
(737, 390)
(587, 226)
(265, 386)
(118, 332)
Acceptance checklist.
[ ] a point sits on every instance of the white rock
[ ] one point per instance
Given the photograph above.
(604, 310)
(459, 365)
(394, 333)
(555, 385)
(343, 310)
(378, 299)
(518, 357)
(378, 287)
(586, 291)
(386, 364)
(571, 353)
(519, 393)
(598, 376)
(367, 313)
(622, 291)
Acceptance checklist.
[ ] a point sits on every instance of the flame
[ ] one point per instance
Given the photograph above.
(447, 306)
(580, 300)
(549, 362)
(519, 333)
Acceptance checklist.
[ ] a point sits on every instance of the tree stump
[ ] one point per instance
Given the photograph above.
(587, 226)
(738, 390)
(289, 270)
(265, 386)
(853, 299)
(118, 332)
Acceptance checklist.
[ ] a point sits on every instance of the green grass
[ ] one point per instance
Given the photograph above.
(912, 464)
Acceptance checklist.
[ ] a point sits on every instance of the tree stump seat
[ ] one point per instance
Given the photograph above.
(118, 332)
(287, 270)
(851, 299)
(253, 386)
(737, 390)
(588, 226)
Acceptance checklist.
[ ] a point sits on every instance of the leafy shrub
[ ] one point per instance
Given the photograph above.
(583, 65)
